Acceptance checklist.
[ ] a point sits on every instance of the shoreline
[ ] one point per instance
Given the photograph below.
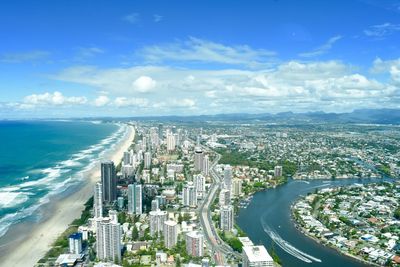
(321, 243)
(305, 233)
(28, 250)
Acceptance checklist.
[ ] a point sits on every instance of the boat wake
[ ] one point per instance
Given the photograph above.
(287, 247)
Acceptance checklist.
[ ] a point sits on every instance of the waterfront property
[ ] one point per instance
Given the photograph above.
(359, 220)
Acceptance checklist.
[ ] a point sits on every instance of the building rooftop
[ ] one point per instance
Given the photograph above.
(257, 253)
(170, 223)
(246, 242)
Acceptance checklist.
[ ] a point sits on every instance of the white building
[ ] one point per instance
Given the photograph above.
(75, 243)
(228, 177)
(189, 197)
(135, 199)
(144, 143)
(200, 183)
(155, 205)
(194, 244)
(147, 160)
(237, 187)
(256, 256)
(98, 201)
(170, 142)
(278, 171)
(170, 234)
(157, 219)
(224, 197)
(127, 171)
(206, 165)
(127, 159)
(108, 240)
(226, 218)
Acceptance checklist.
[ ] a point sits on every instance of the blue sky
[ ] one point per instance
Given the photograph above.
(129, 58)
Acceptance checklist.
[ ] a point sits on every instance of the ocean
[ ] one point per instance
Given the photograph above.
(41, 159)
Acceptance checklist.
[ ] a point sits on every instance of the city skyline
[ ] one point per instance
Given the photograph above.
(91, 59)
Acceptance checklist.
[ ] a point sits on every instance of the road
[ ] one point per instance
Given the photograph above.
(218, 247)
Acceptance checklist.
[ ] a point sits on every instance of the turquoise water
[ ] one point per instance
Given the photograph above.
(40, 159)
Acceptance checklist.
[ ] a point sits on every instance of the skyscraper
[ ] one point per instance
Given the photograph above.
(147, 160)
(189, 197)
(135, 198)
(108, 240)
(160, 131)
(224, 197)
(194, 244)
(155, 205)
(144, 143)
(228, 177)
(75, 243)
(108, 182)
(170, 234)
(237, 187)
(170, 142)
(206, 165)
(127, 158)
(226, 218)
(98, 201)
(199, 183)
(198, 159)
(157, 219)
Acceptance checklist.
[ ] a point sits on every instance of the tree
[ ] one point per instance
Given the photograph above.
(121, 217)
(186, 217)
(135, 233)
(178, 262)
(397, 213)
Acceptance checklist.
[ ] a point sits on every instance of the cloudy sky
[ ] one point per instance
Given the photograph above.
(132, 58)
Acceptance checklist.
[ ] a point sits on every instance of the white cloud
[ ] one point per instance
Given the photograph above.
(132, 18)
(88, 52)
(211, 94)
(199, 50)
(157, 18)
(30, 56)
(130, 102)
(323, 49)
(382, 30)
(182, 103)
(101, 101)
(53, 99)
(392, 67)
(144, 84)
(241, 79)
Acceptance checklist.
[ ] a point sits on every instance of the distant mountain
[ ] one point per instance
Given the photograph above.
(369, 116)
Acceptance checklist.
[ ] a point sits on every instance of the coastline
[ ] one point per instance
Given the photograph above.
(321, 243)
(40, 236)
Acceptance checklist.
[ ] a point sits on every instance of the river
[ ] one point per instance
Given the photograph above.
(267, 221)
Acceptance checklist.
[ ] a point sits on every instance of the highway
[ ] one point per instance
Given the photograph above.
(218, 247)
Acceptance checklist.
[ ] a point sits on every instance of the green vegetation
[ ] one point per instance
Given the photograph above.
(385, 169)
(236, 158)
(61, 244)
(85, 214)
(231, 240)
(397, 213)
(275, 256)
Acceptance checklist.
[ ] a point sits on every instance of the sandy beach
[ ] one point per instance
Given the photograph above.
(27, 252)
